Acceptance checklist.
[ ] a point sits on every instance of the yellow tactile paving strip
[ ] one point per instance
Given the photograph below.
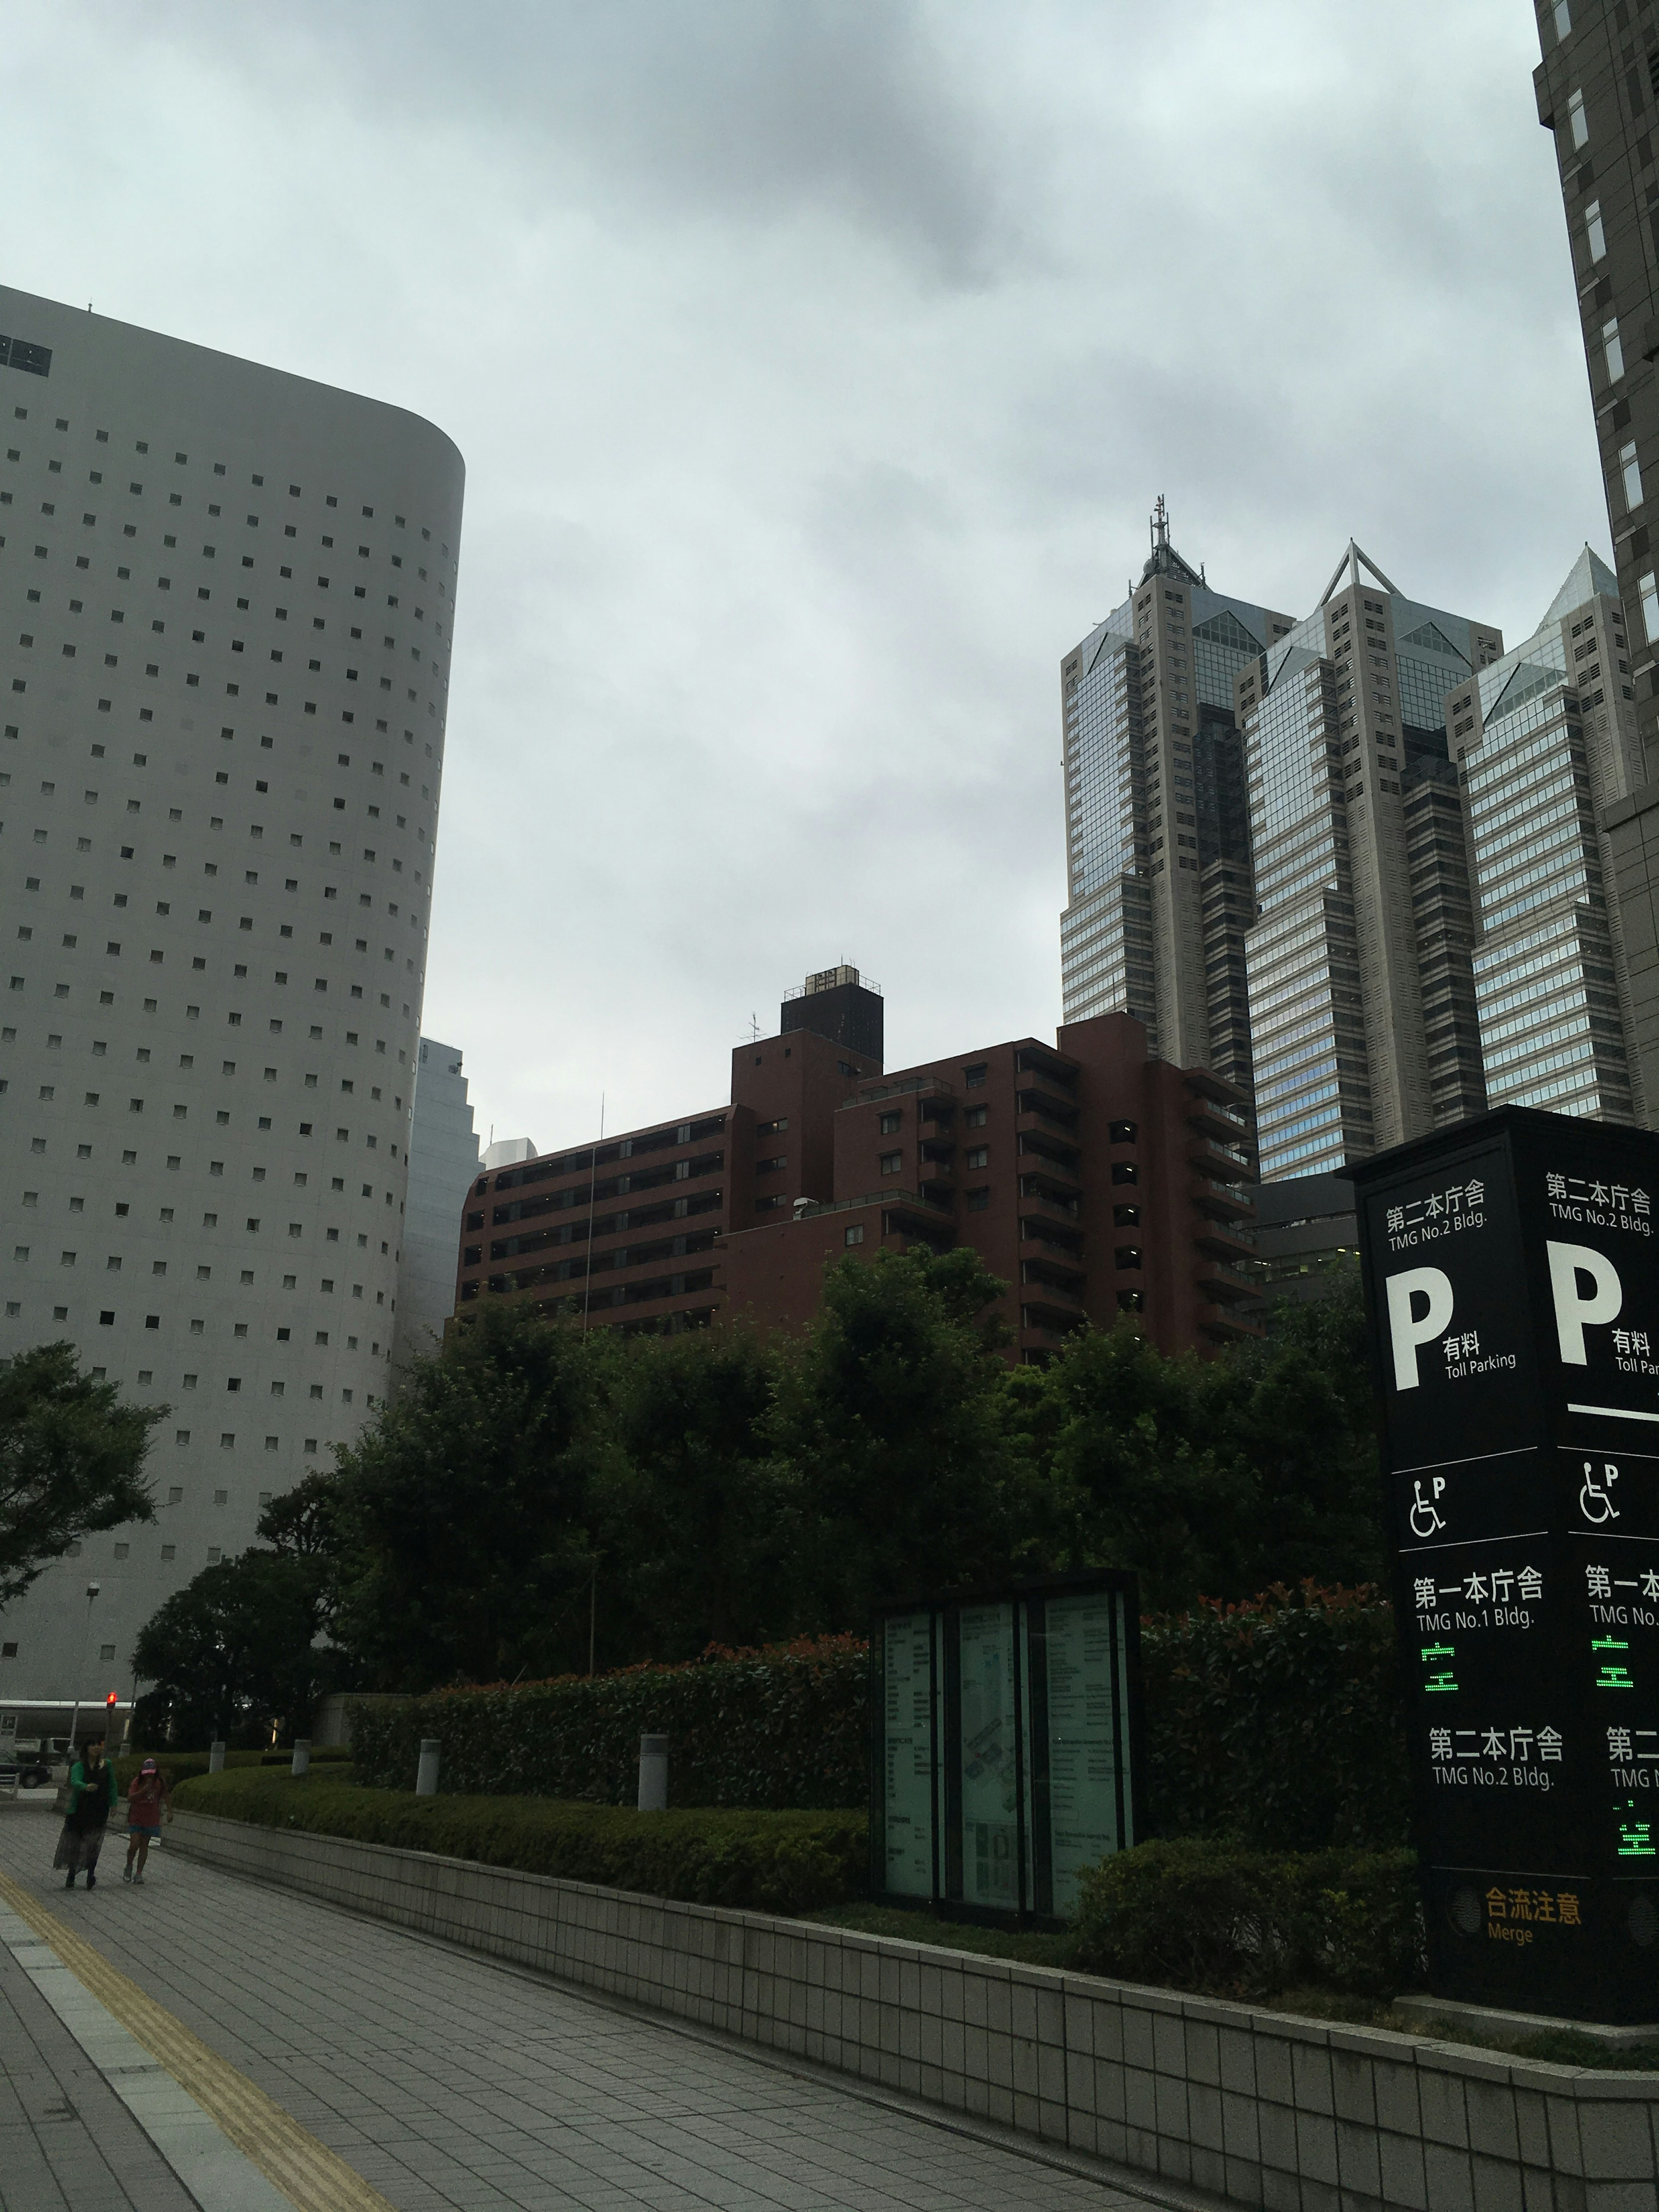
(310, 2175)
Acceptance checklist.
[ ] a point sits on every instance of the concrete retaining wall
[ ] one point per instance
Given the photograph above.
(1264, 2110)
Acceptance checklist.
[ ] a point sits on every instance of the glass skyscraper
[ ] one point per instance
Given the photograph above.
(1373, 887)
(1360, 992)
(1547, 737)
(1158, 855)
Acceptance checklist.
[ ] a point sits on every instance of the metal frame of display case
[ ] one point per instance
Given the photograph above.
(1015, 1744)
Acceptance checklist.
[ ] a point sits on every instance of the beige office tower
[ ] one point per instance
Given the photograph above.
(1158, 854)
(227, 600)
(1361, 991)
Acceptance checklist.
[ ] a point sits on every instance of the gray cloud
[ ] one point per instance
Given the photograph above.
(752, 112)
(816, 367)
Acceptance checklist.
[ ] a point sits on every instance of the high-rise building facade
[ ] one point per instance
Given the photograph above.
(1546, 740)
(1158, 828)
(226, 601)
(1266, 863)
(443, 1159)
(1092, 1179)
(1361, 992)
(1598, 93)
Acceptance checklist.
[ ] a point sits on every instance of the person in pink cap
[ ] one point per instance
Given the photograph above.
(145, 1799)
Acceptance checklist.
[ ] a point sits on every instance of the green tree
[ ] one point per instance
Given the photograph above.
(702, 1520)
(1218, 1478)
(235, 1653)
(891, 1410)
(1296, 1418)
(71, 1460)
(464, 1508)
(305, 1520)
(1134, 1474)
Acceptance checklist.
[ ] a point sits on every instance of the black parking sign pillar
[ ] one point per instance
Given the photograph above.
(1512, 1285)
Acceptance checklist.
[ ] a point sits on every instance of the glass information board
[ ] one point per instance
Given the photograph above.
(1087, 1713)
(907, 1710)
(1004, 1752)
(991, 1780)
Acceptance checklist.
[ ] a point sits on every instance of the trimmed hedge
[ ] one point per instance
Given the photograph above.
(1276, 1724)
(1188, 1915)
(179, 1766)
(1279, 1722)
(784, 1728)
(1182, 1915)
(769, 1862)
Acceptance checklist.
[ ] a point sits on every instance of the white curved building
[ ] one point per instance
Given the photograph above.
(226, 598)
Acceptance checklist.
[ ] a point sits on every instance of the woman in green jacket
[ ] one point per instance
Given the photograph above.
(91, 1801)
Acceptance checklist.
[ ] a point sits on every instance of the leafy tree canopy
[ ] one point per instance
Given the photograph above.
(305, 1520)
(465, 1507)
(702, 1516)
(71, 1460)
(891, 1411)
(1217, 1478)
(733, 1487)
(234, 1652)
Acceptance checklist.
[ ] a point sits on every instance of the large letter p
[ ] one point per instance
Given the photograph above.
(1573, 1314)
(1407, 1330)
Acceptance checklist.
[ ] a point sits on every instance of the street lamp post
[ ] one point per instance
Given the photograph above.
(92, 1599)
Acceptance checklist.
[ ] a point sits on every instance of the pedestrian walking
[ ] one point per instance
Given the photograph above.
(146, 1795)
(91, 1800)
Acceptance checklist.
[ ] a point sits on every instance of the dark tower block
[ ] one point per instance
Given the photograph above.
(834, 1004)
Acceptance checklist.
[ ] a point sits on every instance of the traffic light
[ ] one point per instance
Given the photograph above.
(109, 1713)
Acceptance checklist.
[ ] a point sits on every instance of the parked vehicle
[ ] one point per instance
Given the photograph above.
(31, 1762)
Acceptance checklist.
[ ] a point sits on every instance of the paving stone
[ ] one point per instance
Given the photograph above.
(453, 2083)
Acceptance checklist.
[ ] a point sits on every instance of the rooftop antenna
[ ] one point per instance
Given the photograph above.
(1160, 526)
(754, 1028)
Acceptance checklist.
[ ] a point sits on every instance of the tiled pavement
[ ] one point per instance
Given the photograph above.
(451, 2081)
(66, 2139)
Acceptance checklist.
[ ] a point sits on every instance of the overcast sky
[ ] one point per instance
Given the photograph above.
(816, 366)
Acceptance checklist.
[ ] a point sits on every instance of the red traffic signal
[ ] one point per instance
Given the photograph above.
(109, 1703)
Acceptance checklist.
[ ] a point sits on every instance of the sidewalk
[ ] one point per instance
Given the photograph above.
(446, 2080)
(66, 2139)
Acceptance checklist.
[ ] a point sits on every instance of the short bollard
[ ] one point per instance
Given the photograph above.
(653, 1774)
(216, 1759)
(301, 1755)
(426, 1774)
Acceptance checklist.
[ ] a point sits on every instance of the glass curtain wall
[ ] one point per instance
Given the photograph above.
(1312, 1088)
(1159, 841)
(1546, 973)
(1106, 936)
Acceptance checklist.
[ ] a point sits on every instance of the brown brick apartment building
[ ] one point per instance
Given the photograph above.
(1090, 1179)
